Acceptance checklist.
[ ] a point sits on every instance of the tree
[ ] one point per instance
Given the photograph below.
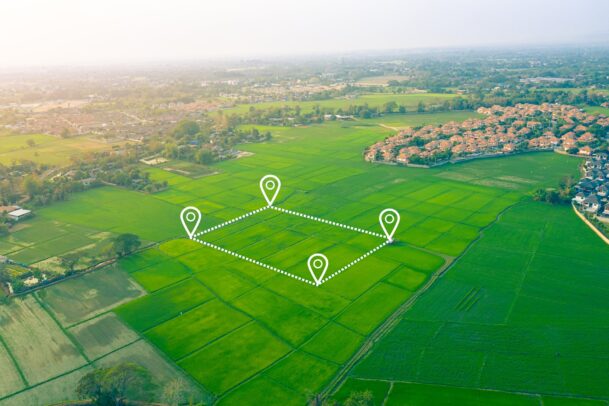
(390, 106)
(171, 150)
(204, 156)
(359, 399)
(4, 276)
(69, 261)
(31, 143)
(317, 400)
(125, 244)
(32, 186)
(3, 229)
(4, 279)
(174, 393)
(552, 196)
(186, 127)
(573, 151)
(116, 384)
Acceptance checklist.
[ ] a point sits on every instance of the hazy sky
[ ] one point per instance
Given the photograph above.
(65, 32)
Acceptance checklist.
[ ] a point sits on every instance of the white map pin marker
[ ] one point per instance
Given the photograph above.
(270, 185)
(191, 218)
(389, 219)
(318, 264)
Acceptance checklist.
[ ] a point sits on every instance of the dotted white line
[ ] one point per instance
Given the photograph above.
(333, 223)
(295, 213)
(253, 261)
(217, 226)
(355, 261)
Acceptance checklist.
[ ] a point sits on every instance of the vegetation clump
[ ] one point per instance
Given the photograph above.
(116, 385)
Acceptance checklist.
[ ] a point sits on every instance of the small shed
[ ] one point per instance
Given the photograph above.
(19, 214)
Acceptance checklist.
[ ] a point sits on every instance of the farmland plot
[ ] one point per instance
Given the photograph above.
(524, 310)
(102, 335)
(60, 389)
(36, 341)
(11, 380)
(92, 294)
(162, 372)
(53, 357)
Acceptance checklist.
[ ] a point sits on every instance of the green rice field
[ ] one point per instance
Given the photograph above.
(417, 394)
(524, 310)
(245, 334)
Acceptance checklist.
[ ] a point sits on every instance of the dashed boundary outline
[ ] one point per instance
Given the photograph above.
(294, 213)
(217, 226)
(332, 223)
(253, 261)
(355, 261)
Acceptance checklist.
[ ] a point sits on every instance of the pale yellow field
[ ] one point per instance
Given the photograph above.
(47, 149)
(38, 344)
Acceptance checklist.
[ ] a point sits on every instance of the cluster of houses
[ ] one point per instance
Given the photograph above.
(593, 189)
(69, 119)
(504, 130)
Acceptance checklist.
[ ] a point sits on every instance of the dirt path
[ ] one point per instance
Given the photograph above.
(389, 127)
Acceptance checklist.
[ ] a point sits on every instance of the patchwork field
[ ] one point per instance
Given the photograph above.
(524, 310)
(90, 295)
(279, 324)
(243, 332)
(26, 330)
(48, 340)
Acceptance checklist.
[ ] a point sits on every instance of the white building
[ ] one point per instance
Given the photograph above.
(19, 214)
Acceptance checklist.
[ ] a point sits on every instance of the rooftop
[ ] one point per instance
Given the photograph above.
(19, 212)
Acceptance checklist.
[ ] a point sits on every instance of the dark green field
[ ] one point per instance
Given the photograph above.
(524, 310)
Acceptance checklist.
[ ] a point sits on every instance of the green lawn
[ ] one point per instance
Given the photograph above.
(597, 110)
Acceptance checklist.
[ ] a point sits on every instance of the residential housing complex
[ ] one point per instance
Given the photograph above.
(504, 130)
(593, 189)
